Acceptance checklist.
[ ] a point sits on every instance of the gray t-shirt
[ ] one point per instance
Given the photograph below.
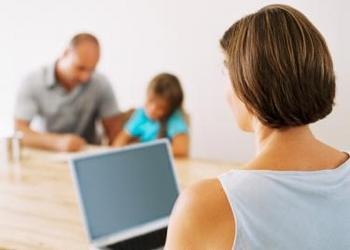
(58, 111)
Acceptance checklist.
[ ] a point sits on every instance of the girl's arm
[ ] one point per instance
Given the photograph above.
(180, 145)
(123, 139)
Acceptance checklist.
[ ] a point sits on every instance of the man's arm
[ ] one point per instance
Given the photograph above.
(50, 141)
(113, 126)
(27, 107)
(111, 117)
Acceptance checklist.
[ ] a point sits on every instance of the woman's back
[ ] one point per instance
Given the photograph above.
(290, 209)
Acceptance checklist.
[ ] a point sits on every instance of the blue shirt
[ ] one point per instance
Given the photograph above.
(146, 129)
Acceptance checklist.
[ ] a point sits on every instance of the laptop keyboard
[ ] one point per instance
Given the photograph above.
(147, 241)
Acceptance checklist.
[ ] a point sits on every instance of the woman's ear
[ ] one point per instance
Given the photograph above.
(244, 118)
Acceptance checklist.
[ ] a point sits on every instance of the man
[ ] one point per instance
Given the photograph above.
(68, 97)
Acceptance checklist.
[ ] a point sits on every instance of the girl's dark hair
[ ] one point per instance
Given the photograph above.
(280, 67)
(167, 86)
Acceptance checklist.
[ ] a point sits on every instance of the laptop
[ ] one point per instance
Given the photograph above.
(126, 195)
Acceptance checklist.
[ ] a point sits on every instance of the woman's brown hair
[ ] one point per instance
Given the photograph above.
(280, 67)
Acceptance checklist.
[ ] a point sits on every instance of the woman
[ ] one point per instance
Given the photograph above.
(295, 193)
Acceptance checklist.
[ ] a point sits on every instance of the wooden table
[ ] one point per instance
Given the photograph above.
(38, 203)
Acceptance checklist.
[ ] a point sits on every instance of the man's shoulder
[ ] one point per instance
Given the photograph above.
(99, 79)
(37, 78)
(99, 83)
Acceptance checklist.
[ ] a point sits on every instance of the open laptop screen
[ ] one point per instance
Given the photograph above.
(126, 188)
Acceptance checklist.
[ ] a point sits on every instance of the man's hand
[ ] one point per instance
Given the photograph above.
(69, 143)
(49, 141)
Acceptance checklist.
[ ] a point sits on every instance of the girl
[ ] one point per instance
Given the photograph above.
(161, 117)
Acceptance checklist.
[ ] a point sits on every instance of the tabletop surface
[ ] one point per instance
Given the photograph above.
(38, 203)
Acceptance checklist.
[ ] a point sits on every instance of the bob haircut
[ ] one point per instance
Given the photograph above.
(280, 67)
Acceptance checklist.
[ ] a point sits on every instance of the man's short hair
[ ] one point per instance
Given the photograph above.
(83, 37)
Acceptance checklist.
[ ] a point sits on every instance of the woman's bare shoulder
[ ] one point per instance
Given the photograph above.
(201, 213)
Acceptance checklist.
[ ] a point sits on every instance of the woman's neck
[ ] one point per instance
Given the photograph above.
(294, 148)
(268, 138)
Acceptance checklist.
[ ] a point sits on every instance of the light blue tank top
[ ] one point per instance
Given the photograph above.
(290, 210)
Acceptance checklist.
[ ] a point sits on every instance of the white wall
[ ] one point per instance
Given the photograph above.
(142, 38)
